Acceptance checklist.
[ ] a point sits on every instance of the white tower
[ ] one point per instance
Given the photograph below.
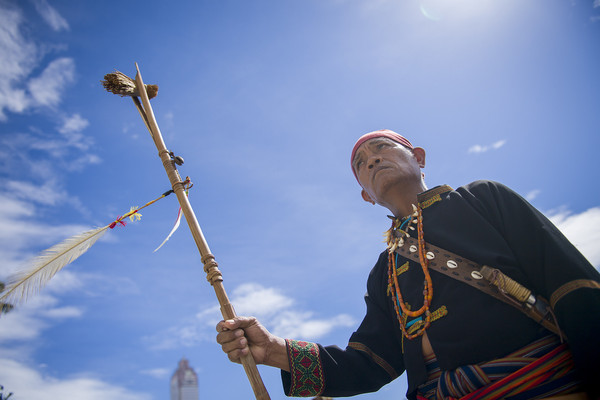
(184, 383)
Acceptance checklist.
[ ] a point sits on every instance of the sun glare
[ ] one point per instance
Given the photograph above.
(438, 10)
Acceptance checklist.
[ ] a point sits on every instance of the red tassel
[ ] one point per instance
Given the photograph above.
(118, 221)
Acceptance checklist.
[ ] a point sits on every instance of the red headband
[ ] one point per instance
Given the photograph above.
(375, 134)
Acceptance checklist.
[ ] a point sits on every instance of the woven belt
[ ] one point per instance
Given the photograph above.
(482, 278)
(542, 368)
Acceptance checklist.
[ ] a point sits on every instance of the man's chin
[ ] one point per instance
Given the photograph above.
(389, 186)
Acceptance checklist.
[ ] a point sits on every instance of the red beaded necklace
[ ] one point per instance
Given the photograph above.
(395, 238)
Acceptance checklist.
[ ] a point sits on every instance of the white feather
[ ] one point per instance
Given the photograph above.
(42, 268)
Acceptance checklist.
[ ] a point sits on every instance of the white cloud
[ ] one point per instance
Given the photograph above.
(532, 194)
(303, 325)
(20, 56)
(77, 164)
(498, 144)
(51, 16)
(71, 129)
(158, 373)
(46, 194)
(19, 144)
(596, 3)
(18, 231)
(27, 321)
(187, 334)
(583, 230)
(47, 89)
(477, 148)
(27, 382)
(272, 308)
(54, 154)
(65, 312)
(73, 124)
(254, 299)
(19, 92)
(18, 59)
(20, 326)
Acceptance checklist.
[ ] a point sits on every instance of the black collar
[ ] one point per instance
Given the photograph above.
(425, 198)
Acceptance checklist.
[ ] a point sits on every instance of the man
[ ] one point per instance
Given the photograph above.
(452, 338)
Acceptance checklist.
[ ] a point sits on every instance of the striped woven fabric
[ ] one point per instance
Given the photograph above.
(543, 368)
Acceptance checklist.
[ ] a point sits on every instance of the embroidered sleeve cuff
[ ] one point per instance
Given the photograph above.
(306, 369)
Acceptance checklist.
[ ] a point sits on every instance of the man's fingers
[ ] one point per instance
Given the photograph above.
(237, 322)
(229, 336)
(234, 345)
(226, 325)
(236, 355)
(232, 337)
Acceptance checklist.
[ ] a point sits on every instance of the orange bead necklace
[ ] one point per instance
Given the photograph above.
(395, 238)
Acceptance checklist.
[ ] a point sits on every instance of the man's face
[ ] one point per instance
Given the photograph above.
(381, 163)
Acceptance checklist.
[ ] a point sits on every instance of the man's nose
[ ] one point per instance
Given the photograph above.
(374, 161)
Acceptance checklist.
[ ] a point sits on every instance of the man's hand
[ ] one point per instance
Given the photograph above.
(241, 335)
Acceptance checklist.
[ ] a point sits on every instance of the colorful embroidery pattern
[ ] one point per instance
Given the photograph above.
(305, 368)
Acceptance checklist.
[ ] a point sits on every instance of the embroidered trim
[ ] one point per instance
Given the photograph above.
(415, 324)
(380, 361)
(430, 201)
(402, 269)
(571, 286)
(306, 369)
(428, 194)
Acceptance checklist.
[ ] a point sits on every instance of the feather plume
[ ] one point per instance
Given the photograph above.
(34, 276)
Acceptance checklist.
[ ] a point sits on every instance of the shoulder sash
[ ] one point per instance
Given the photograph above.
(486, 279)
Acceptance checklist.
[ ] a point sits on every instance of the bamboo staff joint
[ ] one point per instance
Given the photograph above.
(124, 86)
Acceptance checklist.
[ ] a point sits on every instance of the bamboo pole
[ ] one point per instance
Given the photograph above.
(213, 274)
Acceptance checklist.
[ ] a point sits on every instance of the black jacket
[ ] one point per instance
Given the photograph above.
(488, 223)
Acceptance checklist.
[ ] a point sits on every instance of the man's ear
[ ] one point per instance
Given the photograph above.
(366, 197)
(419, 154)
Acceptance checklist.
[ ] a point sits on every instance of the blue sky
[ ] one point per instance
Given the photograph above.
(264, 100)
